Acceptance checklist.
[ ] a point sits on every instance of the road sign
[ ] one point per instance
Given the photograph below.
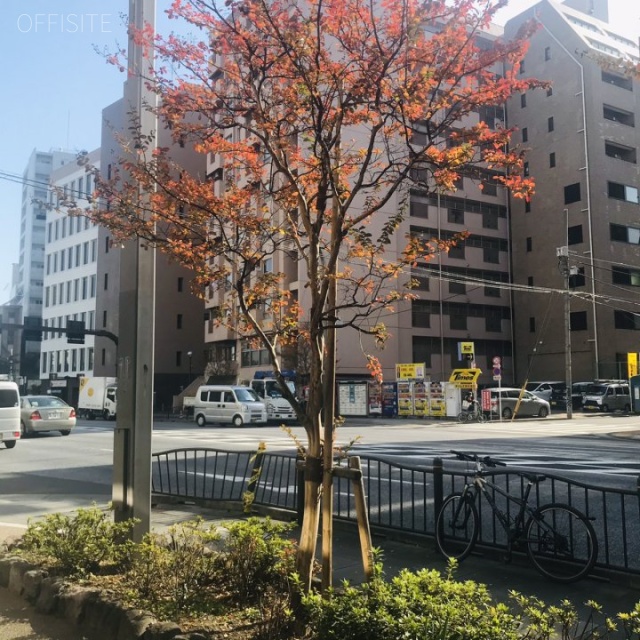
(497, 371)
(497, 378)
(496, 361)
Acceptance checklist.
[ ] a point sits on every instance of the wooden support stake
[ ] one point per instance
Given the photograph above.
(364, 530)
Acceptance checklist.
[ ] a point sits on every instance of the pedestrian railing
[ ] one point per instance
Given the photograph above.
(400, 497)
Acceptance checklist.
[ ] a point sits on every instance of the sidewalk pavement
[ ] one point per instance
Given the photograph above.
(18, 621)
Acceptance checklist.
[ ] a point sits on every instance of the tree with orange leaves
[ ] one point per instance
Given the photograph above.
(316, 118)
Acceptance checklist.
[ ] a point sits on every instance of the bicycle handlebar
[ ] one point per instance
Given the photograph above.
(472, 457)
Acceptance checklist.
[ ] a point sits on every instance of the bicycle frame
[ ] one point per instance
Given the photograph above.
(514, 528)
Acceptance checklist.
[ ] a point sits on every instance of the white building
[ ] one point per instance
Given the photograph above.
(70, 279)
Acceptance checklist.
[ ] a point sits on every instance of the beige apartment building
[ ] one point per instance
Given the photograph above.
(463, 295)
(582, 143)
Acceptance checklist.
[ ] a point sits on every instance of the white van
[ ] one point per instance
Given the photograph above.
(230, 404)
(9, 413)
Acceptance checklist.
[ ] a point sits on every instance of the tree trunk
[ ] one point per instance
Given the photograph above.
(310, 521)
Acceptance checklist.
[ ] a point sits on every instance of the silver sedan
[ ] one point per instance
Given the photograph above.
(45, 413)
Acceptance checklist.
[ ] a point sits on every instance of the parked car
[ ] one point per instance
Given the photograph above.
(545, 389)
(558, 399)
(505, 399)
(228, 404)
(45, 413)
(604, 397)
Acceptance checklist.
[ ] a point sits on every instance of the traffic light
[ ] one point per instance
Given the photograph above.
(32, 329)
(75, 332)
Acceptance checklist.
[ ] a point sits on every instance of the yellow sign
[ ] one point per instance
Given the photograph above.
(465, 378)
(414, 371)
(466, 348)
(632, 364)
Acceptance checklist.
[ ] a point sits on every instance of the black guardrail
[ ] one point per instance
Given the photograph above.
(399, 497)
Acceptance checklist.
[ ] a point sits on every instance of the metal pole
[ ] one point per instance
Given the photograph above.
(563, 257)
(134, 427)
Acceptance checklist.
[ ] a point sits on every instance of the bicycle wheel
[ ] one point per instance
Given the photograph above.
(457, 526)
(482, 416)
(561, 543)
(463, 416)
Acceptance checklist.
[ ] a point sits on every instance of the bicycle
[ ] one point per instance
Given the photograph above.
(560, 541)
(475, 415)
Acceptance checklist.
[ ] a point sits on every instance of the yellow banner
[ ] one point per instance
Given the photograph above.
(414, 371)
(632, 364)
(467, 348)
(465, 378)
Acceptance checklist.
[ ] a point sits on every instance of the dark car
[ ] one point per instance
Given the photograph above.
(558, 400)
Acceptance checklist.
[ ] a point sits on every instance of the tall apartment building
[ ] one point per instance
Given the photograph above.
(583, 153)
(451, 308)
(70, 282)
(179, 340)
(30, 281)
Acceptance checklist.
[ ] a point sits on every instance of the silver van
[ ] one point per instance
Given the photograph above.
(228, 404)
(505, 399)
(604, 397)
(9, 413)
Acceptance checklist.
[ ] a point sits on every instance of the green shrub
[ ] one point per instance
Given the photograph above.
(256, 557)
(421, 606)
(86, 542)
(175, 574)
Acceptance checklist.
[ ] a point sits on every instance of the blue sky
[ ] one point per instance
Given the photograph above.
(56, 85)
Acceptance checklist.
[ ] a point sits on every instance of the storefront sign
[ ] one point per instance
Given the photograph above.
(465, 378)
(414, 371)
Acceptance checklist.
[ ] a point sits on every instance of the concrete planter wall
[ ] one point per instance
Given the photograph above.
(88, 609)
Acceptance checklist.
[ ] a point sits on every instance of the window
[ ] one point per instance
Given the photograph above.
(527, 206)
(530, 281)
(618, 81)
(491, 255)
(552, 160)
(521, 69)
(529, 244)
(623, 192)
(420, 315)
(106, 281)
(574, 234)
(457, 252)
(85, 253)
(493, 324)
(620, 233)
(455, 216)
(578, 320)
(106, 244)
(550, 125)
(577, 279)
(525, 134)
(180, 284)
(104, 319)
(490, 219)
(624, 276)
(547, 53)
(84, 288)
(492, 292)
(523, 100)
(422, 349)
(572, 193)
(489, 188)
(179, 321)
(251, 356)
(92, 285)
(620, 152)
(525, 169)
(178, 358)
(418, 209)
(626, 320)
(549, 92)
(618, 115)
(458, 322)
(532, 325)
(457, 288)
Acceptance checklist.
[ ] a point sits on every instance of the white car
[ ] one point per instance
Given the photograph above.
(545, 389)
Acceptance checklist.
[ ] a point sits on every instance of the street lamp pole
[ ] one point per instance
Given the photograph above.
(563, 265)
(190, 354)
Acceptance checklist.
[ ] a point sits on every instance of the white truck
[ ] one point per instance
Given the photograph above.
(97, 398)
(270, 393)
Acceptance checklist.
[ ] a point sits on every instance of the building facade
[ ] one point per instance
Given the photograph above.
(582, 143)
(70, 281)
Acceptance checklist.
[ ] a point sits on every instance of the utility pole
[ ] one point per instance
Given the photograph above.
(563, 266)
(134, 425)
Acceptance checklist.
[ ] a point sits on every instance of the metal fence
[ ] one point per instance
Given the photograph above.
(399, 497)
